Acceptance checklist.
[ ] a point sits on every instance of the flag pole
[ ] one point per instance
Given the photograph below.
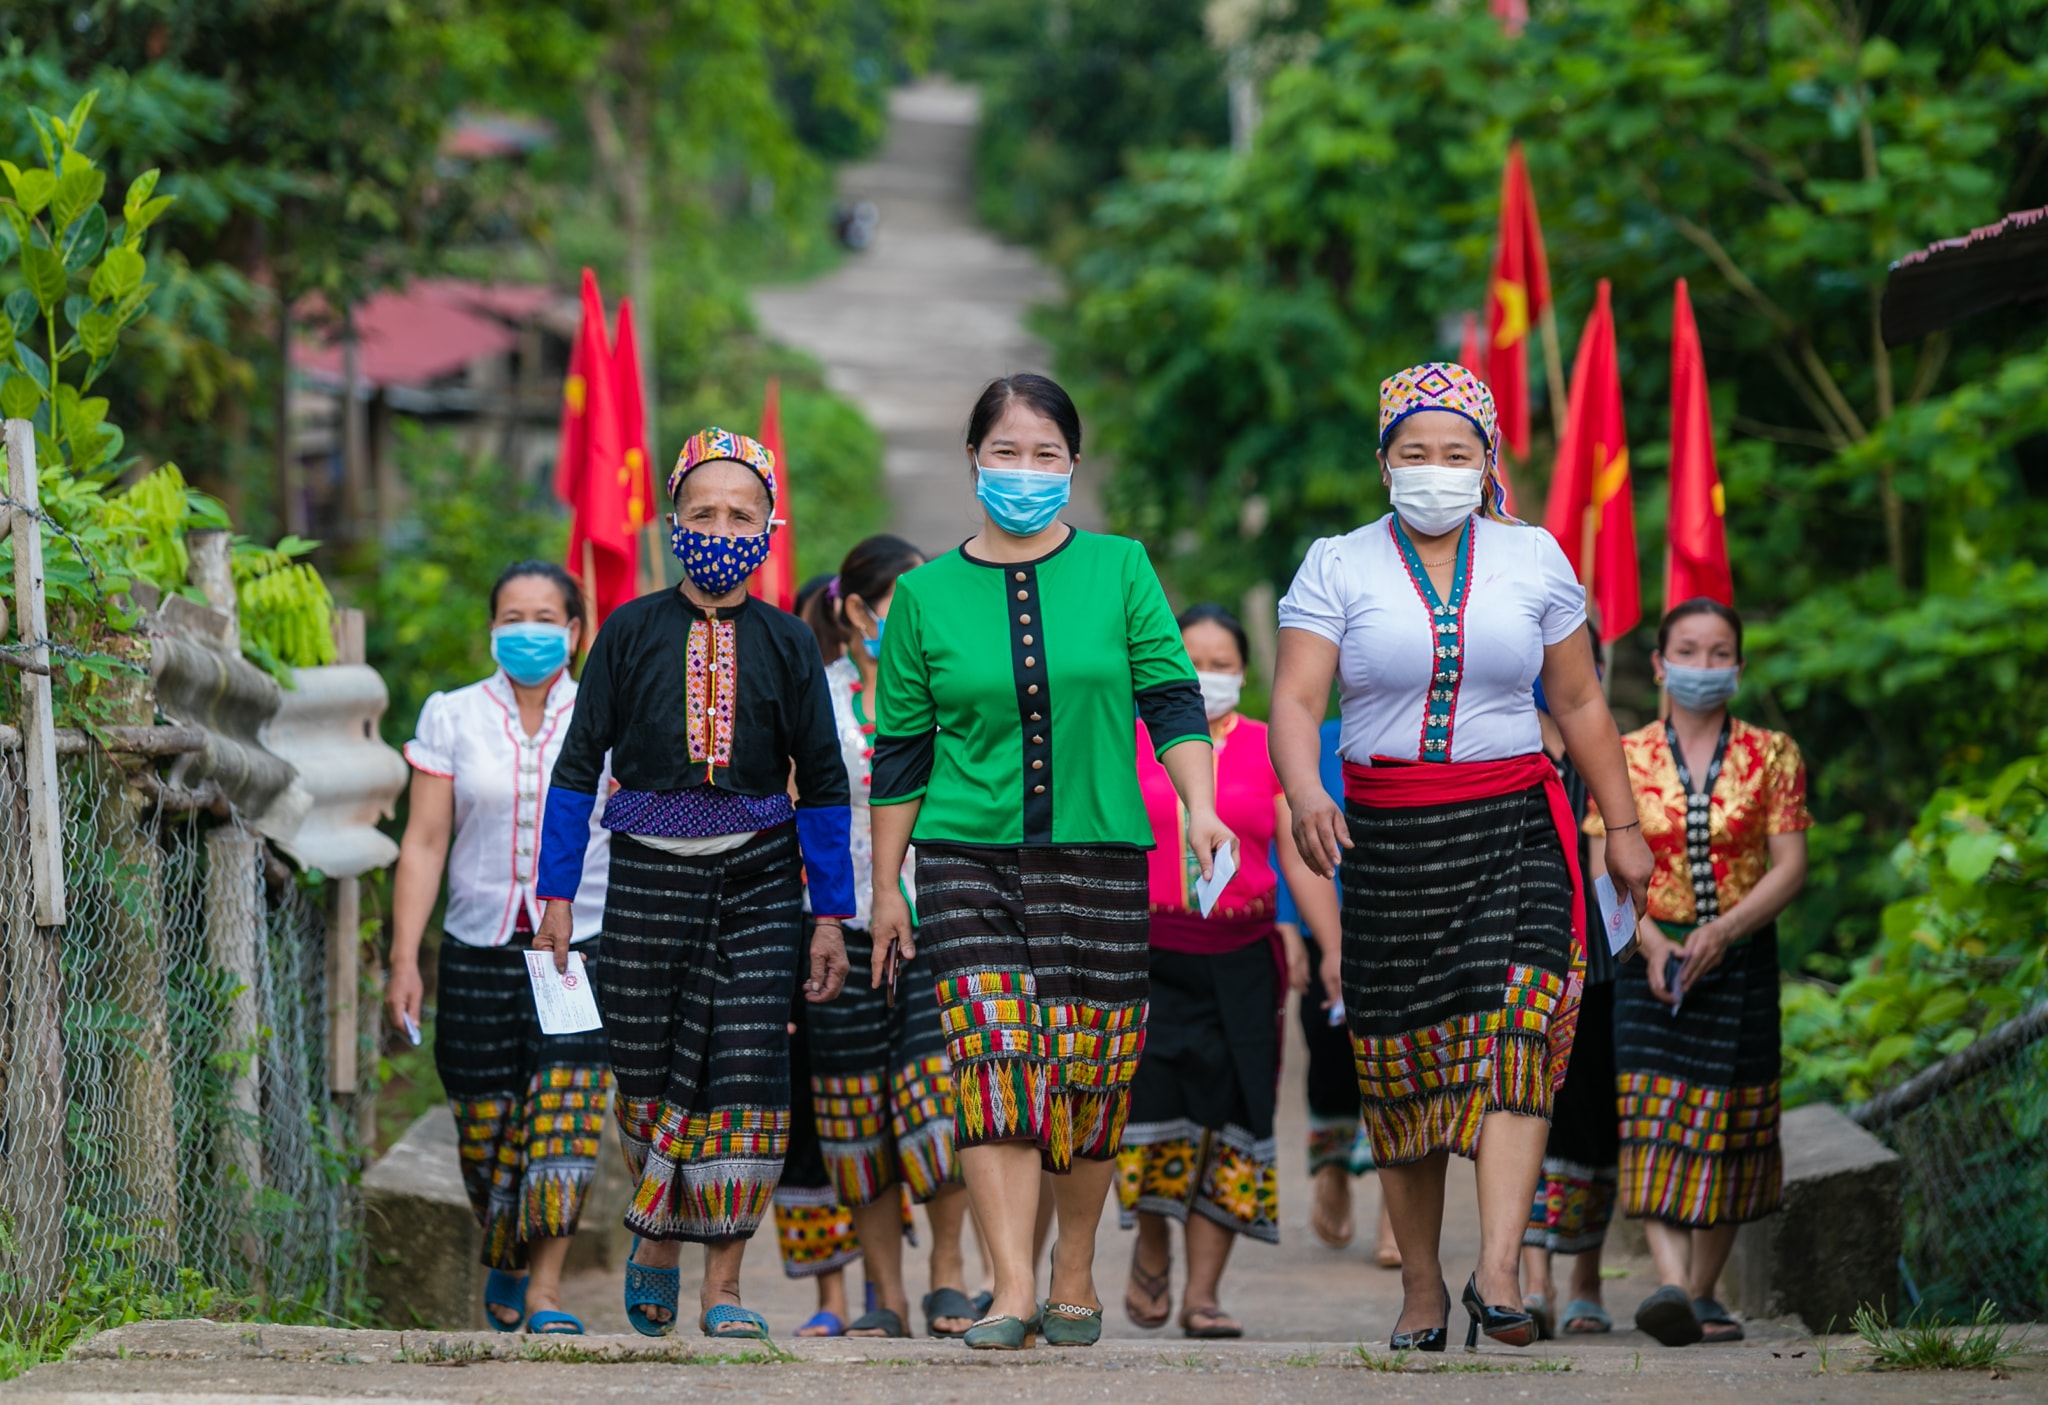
(589, 595)
(1553, 365)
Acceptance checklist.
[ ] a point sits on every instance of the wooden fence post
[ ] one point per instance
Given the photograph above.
(345, 922)
(38, 716)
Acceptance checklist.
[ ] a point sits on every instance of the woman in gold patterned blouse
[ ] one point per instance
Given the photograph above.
(1723, 807)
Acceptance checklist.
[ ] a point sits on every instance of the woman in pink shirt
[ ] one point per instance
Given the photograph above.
(1199, 1147)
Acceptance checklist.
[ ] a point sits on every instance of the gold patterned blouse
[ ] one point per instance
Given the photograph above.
(1761, 792)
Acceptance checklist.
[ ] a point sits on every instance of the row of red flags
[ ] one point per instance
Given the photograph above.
(604, 475)
(1591, 508)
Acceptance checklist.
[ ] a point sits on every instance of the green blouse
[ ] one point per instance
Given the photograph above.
(1009, 693)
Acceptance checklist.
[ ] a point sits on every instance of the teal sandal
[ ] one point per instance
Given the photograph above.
(502, 1289)
(1584, 1310)
(550, 1323)
(651, 1287)
(754, 1326)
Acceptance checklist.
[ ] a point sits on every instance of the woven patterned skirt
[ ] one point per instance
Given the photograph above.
(702, 957)
(1200, 1138)
(1699, 1091)
(1041, 960)
(881, 1085)
(1334, 1135)
(1575, 1199)
(1460, 969)
(529, 1107)
(812, 1229)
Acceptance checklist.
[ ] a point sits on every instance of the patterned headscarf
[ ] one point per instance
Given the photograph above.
(711, 445)
(1439, 385)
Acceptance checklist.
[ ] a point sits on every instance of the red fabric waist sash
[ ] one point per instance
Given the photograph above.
(1207, 936)
(1398, 785)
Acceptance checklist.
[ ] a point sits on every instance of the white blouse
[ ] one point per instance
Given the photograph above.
(472, 736)
(857, 749)
(1395, 649)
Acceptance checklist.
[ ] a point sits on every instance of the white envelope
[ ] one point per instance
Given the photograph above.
(1617, 914)
(563, 999)
(1207, 890)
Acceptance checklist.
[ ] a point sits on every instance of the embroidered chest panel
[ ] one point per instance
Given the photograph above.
(713, 689)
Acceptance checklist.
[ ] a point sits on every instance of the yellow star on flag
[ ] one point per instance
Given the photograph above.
(1514, 313)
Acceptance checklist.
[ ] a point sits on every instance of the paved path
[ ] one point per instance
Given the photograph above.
(912, 328)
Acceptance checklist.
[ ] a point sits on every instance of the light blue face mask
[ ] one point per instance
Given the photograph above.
(530, 653)
(1022, 501)
(1701, 689)
(874, 645)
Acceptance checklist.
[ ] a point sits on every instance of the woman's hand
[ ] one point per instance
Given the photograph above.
(1705, 948)
(1297, 957)
(403, 991)
(828, 963)
(891, 928)
(1321, 833)
(1208, 836)
(557, 926)
(1630, 864)
(1657, 949)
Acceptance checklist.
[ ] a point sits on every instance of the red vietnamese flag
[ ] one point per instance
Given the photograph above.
(1470, 355)
(776, 581)
(604, 550)
(1515, 297)
(1696, 559)
(632, 409)
(1592, 510)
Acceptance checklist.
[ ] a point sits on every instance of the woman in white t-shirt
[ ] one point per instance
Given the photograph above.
(529, 1107)
(1463, 941)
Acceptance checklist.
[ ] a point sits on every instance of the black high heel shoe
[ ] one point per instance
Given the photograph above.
(1510, 1326)
(1430, 1338)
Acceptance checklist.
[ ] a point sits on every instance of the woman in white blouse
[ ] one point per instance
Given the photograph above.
(1464, 946)
(529, 1108)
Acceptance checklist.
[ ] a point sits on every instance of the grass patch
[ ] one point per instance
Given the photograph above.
(441, 1351)
(100, 1296)
(1304, 1358)
(1982, 1343)
(1375, 1361)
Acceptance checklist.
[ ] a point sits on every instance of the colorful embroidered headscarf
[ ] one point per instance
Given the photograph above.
(711, 445)
(1439, 385)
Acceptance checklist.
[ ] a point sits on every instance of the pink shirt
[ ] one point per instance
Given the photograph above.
(1246, 792)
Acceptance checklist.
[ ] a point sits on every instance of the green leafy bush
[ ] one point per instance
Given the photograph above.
(1967, 949)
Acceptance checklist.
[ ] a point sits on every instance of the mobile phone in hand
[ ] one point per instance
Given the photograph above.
(1673, 965)
(893, 960)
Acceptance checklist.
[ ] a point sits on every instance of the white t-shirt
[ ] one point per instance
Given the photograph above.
(472, 736)
(1357, 592)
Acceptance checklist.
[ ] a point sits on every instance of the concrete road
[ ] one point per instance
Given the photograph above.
(911, 329)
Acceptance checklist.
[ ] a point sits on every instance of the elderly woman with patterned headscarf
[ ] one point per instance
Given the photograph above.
(707, 701)
(1464, 939)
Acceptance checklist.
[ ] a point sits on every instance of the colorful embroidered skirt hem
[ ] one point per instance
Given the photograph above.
(813, 1231)
(1227, 1176)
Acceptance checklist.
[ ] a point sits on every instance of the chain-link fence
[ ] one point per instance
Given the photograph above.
(164, 1098)
(1973, 1133)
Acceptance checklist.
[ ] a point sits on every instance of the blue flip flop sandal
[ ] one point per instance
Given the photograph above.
(502, 1289)
(725, 1314)
(550, 1323)
(821, 1318)
(651, 1287)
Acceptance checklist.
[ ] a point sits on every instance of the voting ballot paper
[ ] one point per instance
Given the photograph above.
(1208, 890)
(1617, 914)
(562, 999)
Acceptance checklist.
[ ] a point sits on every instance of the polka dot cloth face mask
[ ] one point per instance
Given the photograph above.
(718, 565)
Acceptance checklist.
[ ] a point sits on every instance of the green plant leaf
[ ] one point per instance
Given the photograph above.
(148, 214)
(20, 397)
(1970, 856)
(37, 369)
(81, 110)
(33, 189)
(84, 238)
(44, 272)
(9, 242)
(77, 189)
(118, 275)
(1889, 1050)
(99, 333)
(139, 191)
(18, 223)
(21, 310)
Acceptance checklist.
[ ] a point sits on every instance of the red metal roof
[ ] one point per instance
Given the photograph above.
(432, 327)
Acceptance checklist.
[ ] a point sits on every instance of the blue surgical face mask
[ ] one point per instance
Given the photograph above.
(1022, 501)
(874, 645)
(530, 653)
(1701, 689)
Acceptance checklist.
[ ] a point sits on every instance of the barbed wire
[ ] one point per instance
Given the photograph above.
(78, 548)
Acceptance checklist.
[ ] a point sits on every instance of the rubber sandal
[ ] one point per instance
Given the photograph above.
(651, 1287)
(725, 1314)
(1144, 1282)
(983, 1301)
(550, 1323)
(1538, 1307)
(1711, 1314)
(499, 1292)
(1583, 1310)
(1668, 1315)
(821, 1318)
(882, 1319)
(949, 1302)
(1216, 1324)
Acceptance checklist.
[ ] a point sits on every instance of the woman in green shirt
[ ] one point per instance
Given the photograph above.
(1012, 673)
